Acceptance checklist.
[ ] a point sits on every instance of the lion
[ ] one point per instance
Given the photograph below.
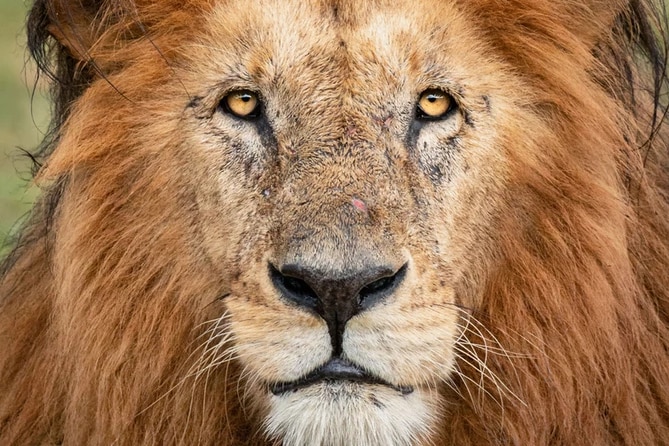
(335, 222)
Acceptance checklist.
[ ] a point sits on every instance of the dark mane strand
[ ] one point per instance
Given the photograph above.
(67, 76)
(647, 28)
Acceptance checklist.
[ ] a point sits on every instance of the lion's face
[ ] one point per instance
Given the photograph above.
(350, 225)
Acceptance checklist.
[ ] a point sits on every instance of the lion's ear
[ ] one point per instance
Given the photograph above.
(588, 21)
(78, 24)
(595, 19)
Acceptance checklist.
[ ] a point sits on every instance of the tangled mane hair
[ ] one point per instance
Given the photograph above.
(98, 326)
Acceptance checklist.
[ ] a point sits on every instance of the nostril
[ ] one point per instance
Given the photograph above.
(294, 288)
(378, 286)
(378, 290)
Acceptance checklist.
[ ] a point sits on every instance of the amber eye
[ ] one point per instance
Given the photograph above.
(242, 103)
(434, 104)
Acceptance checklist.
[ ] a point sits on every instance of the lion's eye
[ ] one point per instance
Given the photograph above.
(242, 103)
(434, 104)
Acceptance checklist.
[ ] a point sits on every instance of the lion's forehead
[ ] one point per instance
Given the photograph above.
(319, 51)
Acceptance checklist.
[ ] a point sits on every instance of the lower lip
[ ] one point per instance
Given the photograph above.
(286, 388)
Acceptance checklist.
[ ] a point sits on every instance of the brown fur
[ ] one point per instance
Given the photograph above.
(541, 238)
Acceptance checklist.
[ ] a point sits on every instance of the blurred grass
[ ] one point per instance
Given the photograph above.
(23, 119)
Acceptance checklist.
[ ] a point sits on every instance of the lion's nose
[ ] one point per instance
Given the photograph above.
(336, 296)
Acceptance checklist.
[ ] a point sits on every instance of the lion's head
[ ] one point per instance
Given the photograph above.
(337, 222)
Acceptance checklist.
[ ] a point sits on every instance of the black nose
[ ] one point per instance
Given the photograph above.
(336, 296)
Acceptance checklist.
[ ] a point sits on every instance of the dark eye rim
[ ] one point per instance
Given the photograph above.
(420, 115)
(254, 115)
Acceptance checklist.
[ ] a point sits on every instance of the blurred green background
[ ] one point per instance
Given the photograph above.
(23, 118)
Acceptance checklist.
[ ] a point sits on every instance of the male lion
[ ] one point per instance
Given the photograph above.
(337, 222)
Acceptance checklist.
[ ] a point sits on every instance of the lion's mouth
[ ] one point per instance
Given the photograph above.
(336, 370)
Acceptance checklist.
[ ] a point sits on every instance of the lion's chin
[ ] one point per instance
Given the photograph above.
(339, 413)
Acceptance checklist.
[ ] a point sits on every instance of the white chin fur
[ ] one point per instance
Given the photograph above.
(346, 414)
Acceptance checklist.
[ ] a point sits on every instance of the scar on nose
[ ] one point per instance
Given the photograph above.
(359, 204)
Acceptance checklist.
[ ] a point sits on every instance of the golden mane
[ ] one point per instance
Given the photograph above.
(577, 294)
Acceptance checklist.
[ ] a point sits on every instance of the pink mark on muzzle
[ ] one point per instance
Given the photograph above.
(359, 204)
